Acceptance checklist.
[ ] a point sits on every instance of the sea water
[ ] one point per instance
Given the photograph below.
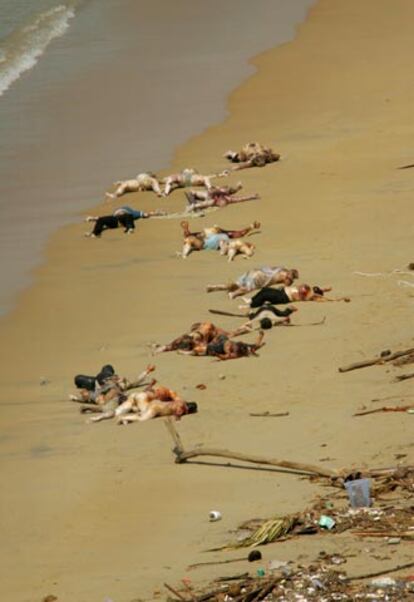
(92, 91)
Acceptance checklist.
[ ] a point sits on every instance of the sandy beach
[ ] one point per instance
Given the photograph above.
(95, 511)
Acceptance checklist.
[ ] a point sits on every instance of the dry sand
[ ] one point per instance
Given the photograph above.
(95, 511)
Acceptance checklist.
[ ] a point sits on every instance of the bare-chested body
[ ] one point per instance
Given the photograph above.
(137, 402)
(252, 154)
(211, 237)
(113, 388)
(223, 348)
(200, 333)
(141, 183)
(256, 279)
(189, 177)
(216, 196)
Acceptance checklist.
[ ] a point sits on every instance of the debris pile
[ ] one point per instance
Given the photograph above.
(387, 521)
(320, 581)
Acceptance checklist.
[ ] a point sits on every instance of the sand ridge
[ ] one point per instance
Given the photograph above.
(337, 104)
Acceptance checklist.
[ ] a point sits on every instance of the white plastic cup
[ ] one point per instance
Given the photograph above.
(214, 515)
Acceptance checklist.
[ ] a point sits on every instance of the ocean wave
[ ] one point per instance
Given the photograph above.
(21, 49)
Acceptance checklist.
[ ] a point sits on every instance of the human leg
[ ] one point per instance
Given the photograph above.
(155, 187)
(212, 288)
(127, 221)
(106, 222)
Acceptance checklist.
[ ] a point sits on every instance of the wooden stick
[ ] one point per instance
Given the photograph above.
(266, 414)
(404, 377)
(385, 409)
(406, 534)
(219, 312)
(223, 453)
(215, 562)
(399, 567)
(406, 166)
(298, 467)
(377, 360)
(232, 577)
(174, 591)
(179, 448)
(182, 456)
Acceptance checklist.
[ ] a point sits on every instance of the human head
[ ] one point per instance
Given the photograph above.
(317, 290)
(186, 343)
(266, 323)
(241, 349)
(304, 291)
(192, 407)
(231, 155)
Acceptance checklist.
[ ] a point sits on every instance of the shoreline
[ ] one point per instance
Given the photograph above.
(110, 49)
(325, 209)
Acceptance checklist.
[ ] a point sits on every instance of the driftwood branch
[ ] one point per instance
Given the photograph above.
(175, 592)
(394, 569)
(182, 456)
(408, 166)
(404, 377)
(376, 360)
(224, 453)
(385, 409)
(268, 414)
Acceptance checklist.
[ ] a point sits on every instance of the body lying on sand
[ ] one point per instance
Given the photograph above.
(154, 401)
(256, 279)
(217, 238)
(289, 294)
(106, 386)
(141, 183)
(123, 217)
(252, 154)
(216, 196)
(199, 333)
(223, 348)
(190, 177)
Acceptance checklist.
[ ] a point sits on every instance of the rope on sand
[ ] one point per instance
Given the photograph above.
(186, 214)
(387, 275)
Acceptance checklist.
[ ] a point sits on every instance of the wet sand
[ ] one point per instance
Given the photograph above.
(95, 510)
(138, 97)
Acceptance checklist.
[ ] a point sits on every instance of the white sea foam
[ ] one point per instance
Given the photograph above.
(21, 50)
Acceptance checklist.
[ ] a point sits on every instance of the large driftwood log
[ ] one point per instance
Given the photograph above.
(376, 360)
(183, 455)
(336, 476)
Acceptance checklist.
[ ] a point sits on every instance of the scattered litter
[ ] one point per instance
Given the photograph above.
(275, 565)
(214, 516)
(358, 492)
(372, 274)
(326, 522)
(383, 582)
(201, 386)
(315, 582)
(405, 283)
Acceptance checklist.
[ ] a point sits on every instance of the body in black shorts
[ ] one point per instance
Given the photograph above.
(274, 296)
